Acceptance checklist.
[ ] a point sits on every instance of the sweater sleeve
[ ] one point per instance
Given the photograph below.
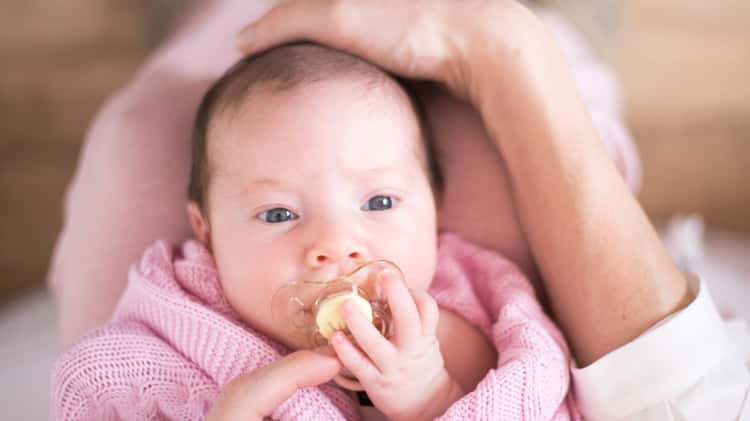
(532, 377)
(124, 372)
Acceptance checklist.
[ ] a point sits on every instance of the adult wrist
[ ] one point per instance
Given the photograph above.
(505, 44)
(507, 61)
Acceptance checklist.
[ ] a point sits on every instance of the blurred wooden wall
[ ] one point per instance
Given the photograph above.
(685, 71)
(59, 60)
(685, 65)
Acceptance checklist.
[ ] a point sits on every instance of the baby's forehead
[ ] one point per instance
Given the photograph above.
(331, 100)
(380, 95)
(319, 112)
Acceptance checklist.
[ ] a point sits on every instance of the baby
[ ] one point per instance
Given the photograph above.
(307, 164)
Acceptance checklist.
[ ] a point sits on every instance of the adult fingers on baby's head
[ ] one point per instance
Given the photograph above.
(406, 320)
(290, 20)
(393, 34)
(428, 311)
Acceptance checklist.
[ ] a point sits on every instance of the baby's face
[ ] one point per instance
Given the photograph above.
(309, 183)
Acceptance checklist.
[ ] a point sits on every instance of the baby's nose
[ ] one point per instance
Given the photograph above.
(342, 251)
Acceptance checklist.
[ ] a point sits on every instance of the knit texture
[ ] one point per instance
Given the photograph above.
(174, 342)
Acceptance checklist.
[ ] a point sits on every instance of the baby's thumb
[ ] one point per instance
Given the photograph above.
(257, 394)
(313, 367)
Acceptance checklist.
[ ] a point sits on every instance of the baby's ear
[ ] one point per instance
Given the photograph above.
(198, 223)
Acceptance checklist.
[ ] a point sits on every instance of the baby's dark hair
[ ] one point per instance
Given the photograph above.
(283, 68)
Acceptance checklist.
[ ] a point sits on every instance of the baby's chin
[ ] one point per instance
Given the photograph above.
(294, 343)
(287, 339)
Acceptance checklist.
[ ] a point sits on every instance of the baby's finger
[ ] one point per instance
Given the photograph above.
(258, 393)
(428, 311)
(369, 339)
(353, 359)
(406, 321)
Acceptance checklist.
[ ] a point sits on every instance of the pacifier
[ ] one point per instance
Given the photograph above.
(312, 308)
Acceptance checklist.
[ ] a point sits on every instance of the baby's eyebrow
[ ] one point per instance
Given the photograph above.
(272, 182)
(367, 173)
(379, 170)
(376, 170)
(261, 183)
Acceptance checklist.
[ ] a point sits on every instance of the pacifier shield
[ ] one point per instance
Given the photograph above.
(312, 308)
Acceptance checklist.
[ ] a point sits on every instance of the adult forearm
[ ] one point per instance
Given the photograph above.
(604, 268)
(129, 191)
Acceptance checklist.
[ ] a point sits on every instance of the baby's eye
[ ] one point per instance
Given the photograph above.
(378, 203)
(277, 215)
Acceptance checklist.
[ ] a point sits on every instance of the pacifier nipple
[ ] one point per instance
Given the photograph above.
(328, 318)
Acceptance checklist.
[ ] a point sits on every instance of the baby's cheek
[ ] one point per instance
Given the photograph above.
(253, 305)
(248, 296)
(418, 276)
(422, 263)
(419, 285)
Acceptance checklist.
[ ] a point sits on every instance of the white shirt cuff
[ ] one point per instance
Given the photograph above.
(657, 366)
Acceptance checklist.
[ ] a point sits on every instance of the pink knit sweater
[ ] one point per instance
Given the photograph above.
(174, 343)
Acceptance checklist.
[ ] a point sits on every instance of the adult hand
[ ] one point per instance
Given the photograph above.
(418, 39)
(255, 395)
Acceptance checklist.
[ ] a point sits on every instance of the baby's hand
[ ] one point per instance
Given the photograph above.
(406, 378)
(255, 395)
